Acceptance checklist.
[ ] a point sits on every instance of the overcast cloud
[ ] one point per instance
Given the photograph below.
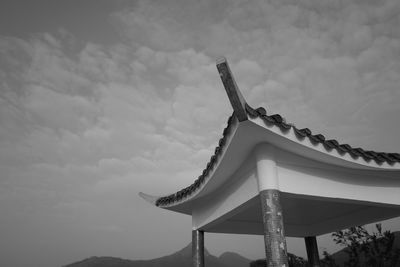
(99, 101)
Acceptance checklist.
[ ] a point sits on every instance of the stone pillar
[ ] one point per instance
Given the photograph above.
(271, 208)
(312, 251)
(198, 248)
(274, 235)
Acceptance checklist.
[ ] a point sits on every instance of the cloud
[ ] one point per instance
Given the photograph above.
(100, 125)
(89, 123)
(171, 26)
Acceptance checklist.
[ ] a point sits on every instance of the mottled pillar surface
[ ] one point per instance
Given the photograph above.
(274, 235)
(198, 248)
(312, 251)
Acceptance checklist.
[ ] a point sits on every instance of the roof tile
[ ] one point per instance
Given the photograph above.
(318, 138)
(345, 148)
(331, 143)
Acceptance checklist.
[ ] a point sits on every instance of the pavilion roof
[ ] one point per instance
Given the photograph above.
(277, 121)
(303, 136)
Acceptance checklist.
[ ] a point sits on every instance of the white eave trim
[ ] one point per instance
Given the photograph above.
(290, 141)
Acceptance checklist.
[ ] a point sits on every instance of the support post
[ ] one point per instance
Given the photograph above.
(274, 235)
(312, 251)
(198, 248)
(271, 208)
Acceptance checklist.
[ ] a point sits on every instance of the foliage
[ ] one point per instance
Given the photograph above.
(296, 261)
(258, 263)
(374, 249)
(293, 260)
(365, 249)
(328, 261)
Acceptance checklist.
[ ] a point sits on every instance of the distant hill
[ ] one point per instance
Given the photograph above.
(102, 262)
(234, 260)
(181, 258)
(184, 258)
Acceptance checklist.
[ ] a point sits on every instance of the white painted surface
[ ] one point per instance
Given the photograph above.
(227, 200)
(339, 184)
(322, 191)
(289, 141)
(267, 177)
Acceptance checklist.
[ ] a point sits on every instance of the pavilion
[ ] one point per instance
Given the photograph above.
(269, 177)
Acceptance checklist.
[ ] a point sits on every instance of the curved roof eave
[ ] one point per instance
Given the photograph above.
(285, 135)
(192, 190)
(318, 143)
(304, 137)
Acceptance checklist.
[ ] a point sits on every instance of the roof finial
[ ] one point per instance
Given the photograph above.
(220, 60)
(235, 96)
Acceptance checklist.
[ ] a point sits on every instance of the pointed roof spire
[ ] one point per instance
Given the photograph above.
(235, 96)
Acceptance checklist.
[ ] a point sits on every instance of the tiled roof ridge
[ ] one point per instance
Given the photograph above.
(279, 121)
(201, 179)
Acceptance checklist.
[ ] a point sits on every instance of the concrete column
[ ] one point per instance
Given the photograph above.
(268, 185)
(312, 251)
(198, 248)
(274, 235)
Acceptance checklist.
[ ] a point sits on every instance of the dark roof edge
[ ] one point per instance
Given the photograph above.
(279, 121)
(188, 191)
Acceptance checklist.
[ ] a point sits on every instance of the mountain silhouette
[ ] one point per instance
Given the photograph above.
(233, 260)
(181, 258)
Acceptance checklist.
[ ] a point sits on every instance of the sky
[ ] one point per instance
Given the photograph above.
(100, 100)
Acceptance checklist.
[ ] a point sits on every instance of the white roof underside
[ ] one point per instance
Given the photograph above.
(322, 190)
